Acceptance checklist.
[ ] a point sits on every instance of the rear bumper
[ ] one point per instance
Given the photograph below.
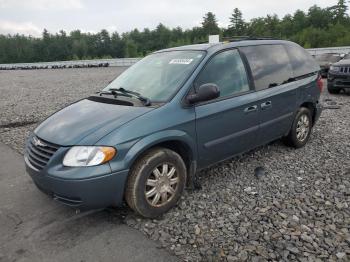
(93, 193)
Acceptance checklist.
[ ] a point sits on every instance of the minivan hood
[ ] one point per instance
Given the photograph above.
(86, 120)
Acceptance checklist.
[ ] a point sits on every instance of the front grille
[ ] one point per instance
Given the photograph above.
(345, 69)
(39, 152)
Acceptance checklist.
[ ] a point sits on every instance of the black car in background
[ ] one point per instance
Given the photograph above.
(339, 75)
(326, 60)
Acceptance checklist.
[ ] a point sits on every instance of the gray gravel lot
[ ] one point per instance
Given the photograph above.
(31, 96)
(299, 210)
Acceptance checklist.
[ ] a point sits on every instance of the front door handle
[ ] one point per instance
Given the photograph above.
(251, 109)
(266, 105)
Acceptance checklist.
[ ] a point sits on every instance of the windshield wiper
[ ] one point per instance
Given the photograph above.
(146, 101)
(116, 93)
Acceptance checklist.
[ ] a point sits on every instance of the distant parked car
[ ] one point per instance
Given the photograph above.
(175, 112)
(339, 76)
(346, 56)
(326, 60)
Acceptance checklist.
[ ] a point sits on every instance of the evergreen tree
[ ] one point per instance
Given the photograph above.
(237, 26)
(117, 46)
(210, 24)
(339, 11)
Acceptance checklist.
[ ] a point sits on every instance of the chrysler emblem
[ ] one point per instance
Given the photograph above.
(38, 142)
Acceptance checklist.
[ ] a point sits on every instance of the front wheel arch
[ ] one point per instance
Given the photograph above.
(175, 140)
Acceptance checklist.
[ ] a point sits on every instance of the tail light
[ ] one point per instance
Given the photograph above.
(320, 83)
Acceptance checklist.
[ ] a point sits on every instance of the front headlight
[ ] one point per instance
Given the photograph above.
(88, 155)
(334, 68)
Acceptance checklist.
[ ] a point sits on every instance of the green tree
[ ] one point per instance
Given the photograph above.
(257, 27)
(300, 21)
(103, 43)
(287, 26)
(339, 11)
(130, 49)
(210, 24)
(319, 17)
(162, 37)
(117, 46)
(237, 26)
(79, 44)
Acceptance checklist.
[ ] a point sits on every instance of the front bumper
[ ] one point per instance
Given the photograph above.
(339, 80)
(92, 193)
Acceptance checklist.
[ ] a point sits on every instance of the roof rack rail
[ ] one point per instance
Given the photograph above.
(242, 38)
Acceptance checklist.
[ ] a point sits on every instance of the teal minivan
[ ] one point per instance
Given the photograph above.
(143, 138)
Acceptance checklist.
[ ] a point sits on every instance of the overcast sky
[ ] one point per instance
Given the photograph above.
(32, 16)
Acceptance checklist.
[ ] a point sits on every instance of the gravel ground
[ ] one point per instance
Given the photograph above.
(29, 96)
(298, 210)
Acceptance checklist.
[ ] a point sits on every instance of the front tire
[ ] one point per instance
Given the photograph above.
(156, 182)
(333, 90)
(300, 132)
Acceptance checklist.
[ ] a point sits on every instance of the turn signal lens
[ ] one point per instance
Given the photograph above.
(109, 153)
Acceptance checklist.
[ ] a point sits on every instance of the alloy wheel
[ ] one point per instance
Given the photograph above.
(161, 185)
(303, 128)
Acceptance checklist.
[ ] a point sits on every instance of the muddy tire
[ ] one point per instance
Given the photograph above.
(300, 132)
(156, 182)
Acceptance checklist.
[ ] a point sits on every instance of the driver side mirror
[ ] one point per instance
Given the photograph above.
(205, 92)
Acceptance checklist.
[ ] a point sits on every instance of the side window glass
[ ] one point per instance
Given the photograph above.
(227, 71)
(270, 65)
(301, 60)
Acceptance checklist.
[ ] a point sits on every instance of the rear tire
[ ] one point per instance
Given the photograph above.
(156, 182)
(300, 132)
(332, 89)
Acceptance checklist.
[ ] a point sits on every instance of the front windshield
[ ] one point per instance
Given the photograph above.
(158, 76)
(347, 56)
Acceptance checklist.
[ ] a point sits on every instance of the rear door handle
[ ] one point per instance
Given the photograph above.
(251, 109)
(266, 105)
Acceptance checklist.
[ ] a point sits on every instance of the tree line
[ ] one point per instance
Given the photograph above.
(318, 27)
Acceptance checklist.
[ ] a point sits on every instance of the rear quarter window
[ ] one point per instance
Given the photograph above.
(269, 64)
(301, 61)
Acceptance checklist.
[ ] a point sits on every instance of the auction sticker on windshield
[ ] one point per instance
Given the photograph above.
(181, 61)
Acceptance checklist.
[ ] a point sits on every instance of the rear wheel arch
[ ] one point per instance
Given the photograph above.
(312, 107)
